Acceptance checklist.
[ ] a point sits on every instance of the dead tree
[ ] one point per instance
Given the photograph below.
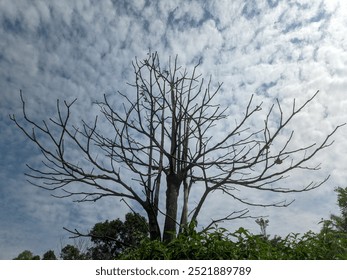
(164, 138)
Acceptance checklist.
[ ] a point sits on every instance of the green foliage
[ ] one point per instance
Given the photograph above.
(190, 244)
(111, 238)
(329, 244)
(322, 246)
(27, 255)
(242, 245)
(49, 255)
(340, 222)
(220, 244)
(70, 252)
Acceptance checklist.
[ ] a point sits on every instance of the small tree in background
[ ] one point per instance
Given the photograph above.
(49, 255)
(111, 238)
(70, 252)
(340, 222)
(27, 255)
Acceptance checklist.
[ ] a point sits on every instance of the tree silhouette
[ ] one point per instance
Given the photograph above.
(70, 252)
(339, 222)
(27, 255)
(164, 136)
(49, 255)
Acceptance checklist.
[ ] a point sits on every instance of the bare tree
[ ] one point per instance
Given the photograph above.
(164, 138)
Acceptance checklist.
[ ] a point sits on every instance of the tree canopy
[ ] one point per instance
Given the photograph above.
(27, 255)
(111, 238)
(161, 142)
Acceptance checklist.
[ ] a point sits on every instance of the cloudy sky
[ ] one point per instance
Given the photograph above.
(83, 49)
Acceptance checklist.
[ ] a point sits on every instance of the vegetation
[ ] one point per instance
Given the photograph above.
(242, 245)
(112, 238)
(70, 252)
(27, 255)
(221, 245)
(49, 255)
(217, 244)
(329, 244)
(339, 223)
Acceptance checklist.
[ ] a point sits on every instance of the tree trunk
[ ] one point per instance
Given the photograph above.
(172, 192)
(154, 229)
(184, 216)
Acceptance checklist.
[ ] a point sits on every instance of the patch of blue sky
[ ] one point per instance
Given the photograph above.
(273, 3)
(295, 25)
(297, 41)
(182, 21)
(14, 26)
(264, 88)
(250, 9)
(320, 15)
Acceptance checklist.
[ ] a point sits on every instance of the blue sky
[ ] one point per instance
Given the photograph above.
(82, 49)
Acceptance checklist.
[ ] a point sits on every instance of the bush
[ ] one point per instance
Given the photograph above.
(242, 245)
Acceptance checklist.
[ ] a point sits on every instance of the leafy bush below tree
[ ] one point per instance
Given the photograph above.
(242, 245)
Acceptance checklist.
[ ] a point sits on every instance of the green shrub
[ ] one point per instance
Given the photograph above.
(242, 245)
